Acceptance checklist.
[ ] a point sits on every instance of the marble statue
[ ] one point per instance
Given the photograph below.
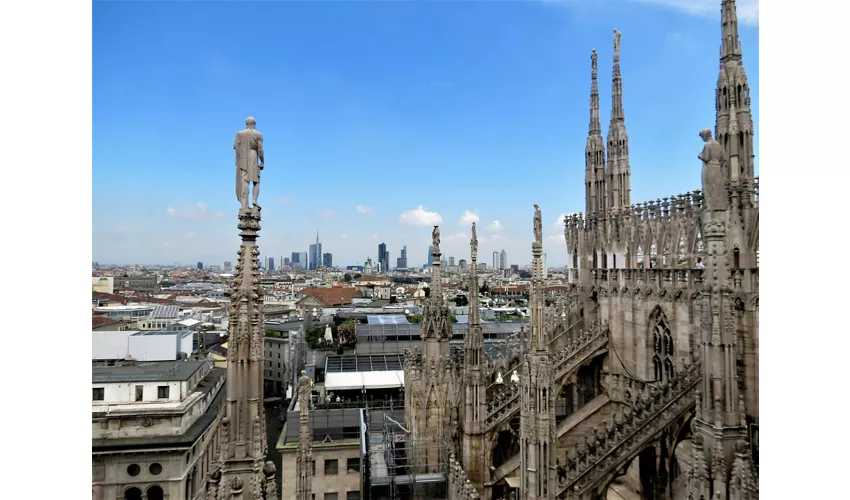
(435, 237)
(538, 225)
(713, 173)
(249, 162)
(474, 243)
(617, 35)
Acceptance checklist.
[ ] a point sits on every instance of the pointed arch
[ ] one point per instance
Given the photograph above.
(639, 256)
(682, 250)
(594, 259)
(653, 255)
(664, 349)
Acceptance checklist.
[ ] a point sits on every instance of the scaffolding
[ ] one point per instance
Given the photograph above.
(397, 468)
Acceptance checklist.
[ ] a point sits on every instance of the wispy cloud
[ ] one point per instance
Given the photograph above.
(468, 218)
(363, 209)
(748, 10)
(495, 226)
(198, 211)
(420, 217)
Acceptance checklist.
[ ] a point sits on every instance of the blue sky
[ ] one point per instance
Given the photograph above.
(371, 110)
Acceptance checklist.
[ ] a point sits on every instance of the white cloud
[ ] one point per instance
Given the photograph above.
(748, 10)
(364, 209)
(495, 226)
(556, 240)
(123, 229)
(198, 211)
(468, 218)
(420, 217)
(328, 214)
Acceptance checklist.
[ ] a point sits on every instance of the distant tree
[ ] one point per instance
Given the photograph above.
(272, 334)
(461, 301)
(416, 318)
(347, 333)
(346, 277)
(207, 277)
(453, 319)
(485, 288)
(524, 275)
(357, 276)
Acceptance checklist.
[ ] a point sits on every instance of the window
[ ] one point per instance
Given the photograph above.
(156, 469)
(331, 467)
(97, 394)
(313, 466)
(140, 391)
(352, 495)
(134, 470)
(331, 496)
(353, 465)
(162, 392)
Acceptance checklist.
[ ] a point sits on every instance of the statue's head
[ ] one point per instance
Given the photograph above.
(705, 134)
(250, 122)
(536, 207)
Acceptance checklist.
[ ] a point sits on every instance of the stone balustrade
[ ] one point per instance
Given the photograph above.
(460, 487)
(620, 440)
(505, 404)
(660, 277)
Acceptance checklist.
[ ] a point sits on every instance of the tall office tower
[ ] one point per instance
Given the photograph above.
(327, 259)
(315, 254)
(201, 266)
(265, 262)
(295, 260)
(287, 262)
(281, 262)
(451, 261)
(383, 257)
(270, 265)
(401, 262)
(496, 260)
(503, 259)
(227, 265)
(462, 264)
(430, 256)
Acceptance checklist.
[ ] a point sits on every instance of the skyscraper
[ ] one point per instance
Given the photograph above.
(201, 266)
(496, 260)
(503, 259)
(451, 261)
(270, 266)
(227, 266)
(327, 259)
(401, 262)
(383, 257)
(430, 256)
(315, 258)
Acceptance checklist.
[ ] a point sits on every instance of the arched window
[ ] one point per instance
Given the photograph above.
(663, 349)
(594, 266)
(604, 260)
(575, 259)
(700, 245)
(640, 256)
(683, 249)
(653, 256)
(736, 258)
(155, 493)
(133, 494)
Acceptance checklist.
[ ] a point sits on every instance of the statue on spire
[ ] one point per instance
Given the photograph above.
(435, 239)
(538, 225)
(593, 58)
(474, 243)
(713, 173)
(249, 162)
(616, 43)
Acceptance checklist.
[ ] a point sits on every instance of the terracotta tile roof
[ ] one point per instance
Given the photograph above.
(372, 278)
(125, 299)
(102, 321)
(332, 296)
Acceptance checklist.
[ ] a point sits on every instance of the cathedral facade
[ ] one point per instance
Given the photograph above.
(651, 357)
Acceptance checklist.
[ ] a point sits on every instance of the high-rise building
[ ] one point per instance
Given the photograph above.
(266, 263)
(286, 261)
(327, 259)
(496, 260)
(430, 256)
(383, 257)
(201, 266)
(270, 266)
(315, 254)
(451, 261)
(462, 264)
(295, 259)
(503, 259)
(302, 259)
(401, 262)
(227, 266)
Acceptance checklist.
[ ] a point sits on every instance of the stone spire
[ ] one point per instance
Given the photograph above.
(538, 448)
(594, 170)
(243, 426)
(436, 330)
(304, 457)
(618, 173)
(475, 382)
(734, 122)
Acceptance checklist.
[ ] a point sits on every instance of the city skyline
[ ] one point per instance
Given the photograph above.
(329, 109)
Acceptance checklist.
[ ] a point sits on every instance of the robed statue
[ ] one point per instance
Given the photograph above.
(474, 243)
(249, 162)
(538, 225)
(713, 173)
(616, 43)
(435, 239)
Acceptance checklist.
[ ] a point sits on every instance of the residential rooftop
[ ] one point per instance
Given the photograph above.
(157, 371)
